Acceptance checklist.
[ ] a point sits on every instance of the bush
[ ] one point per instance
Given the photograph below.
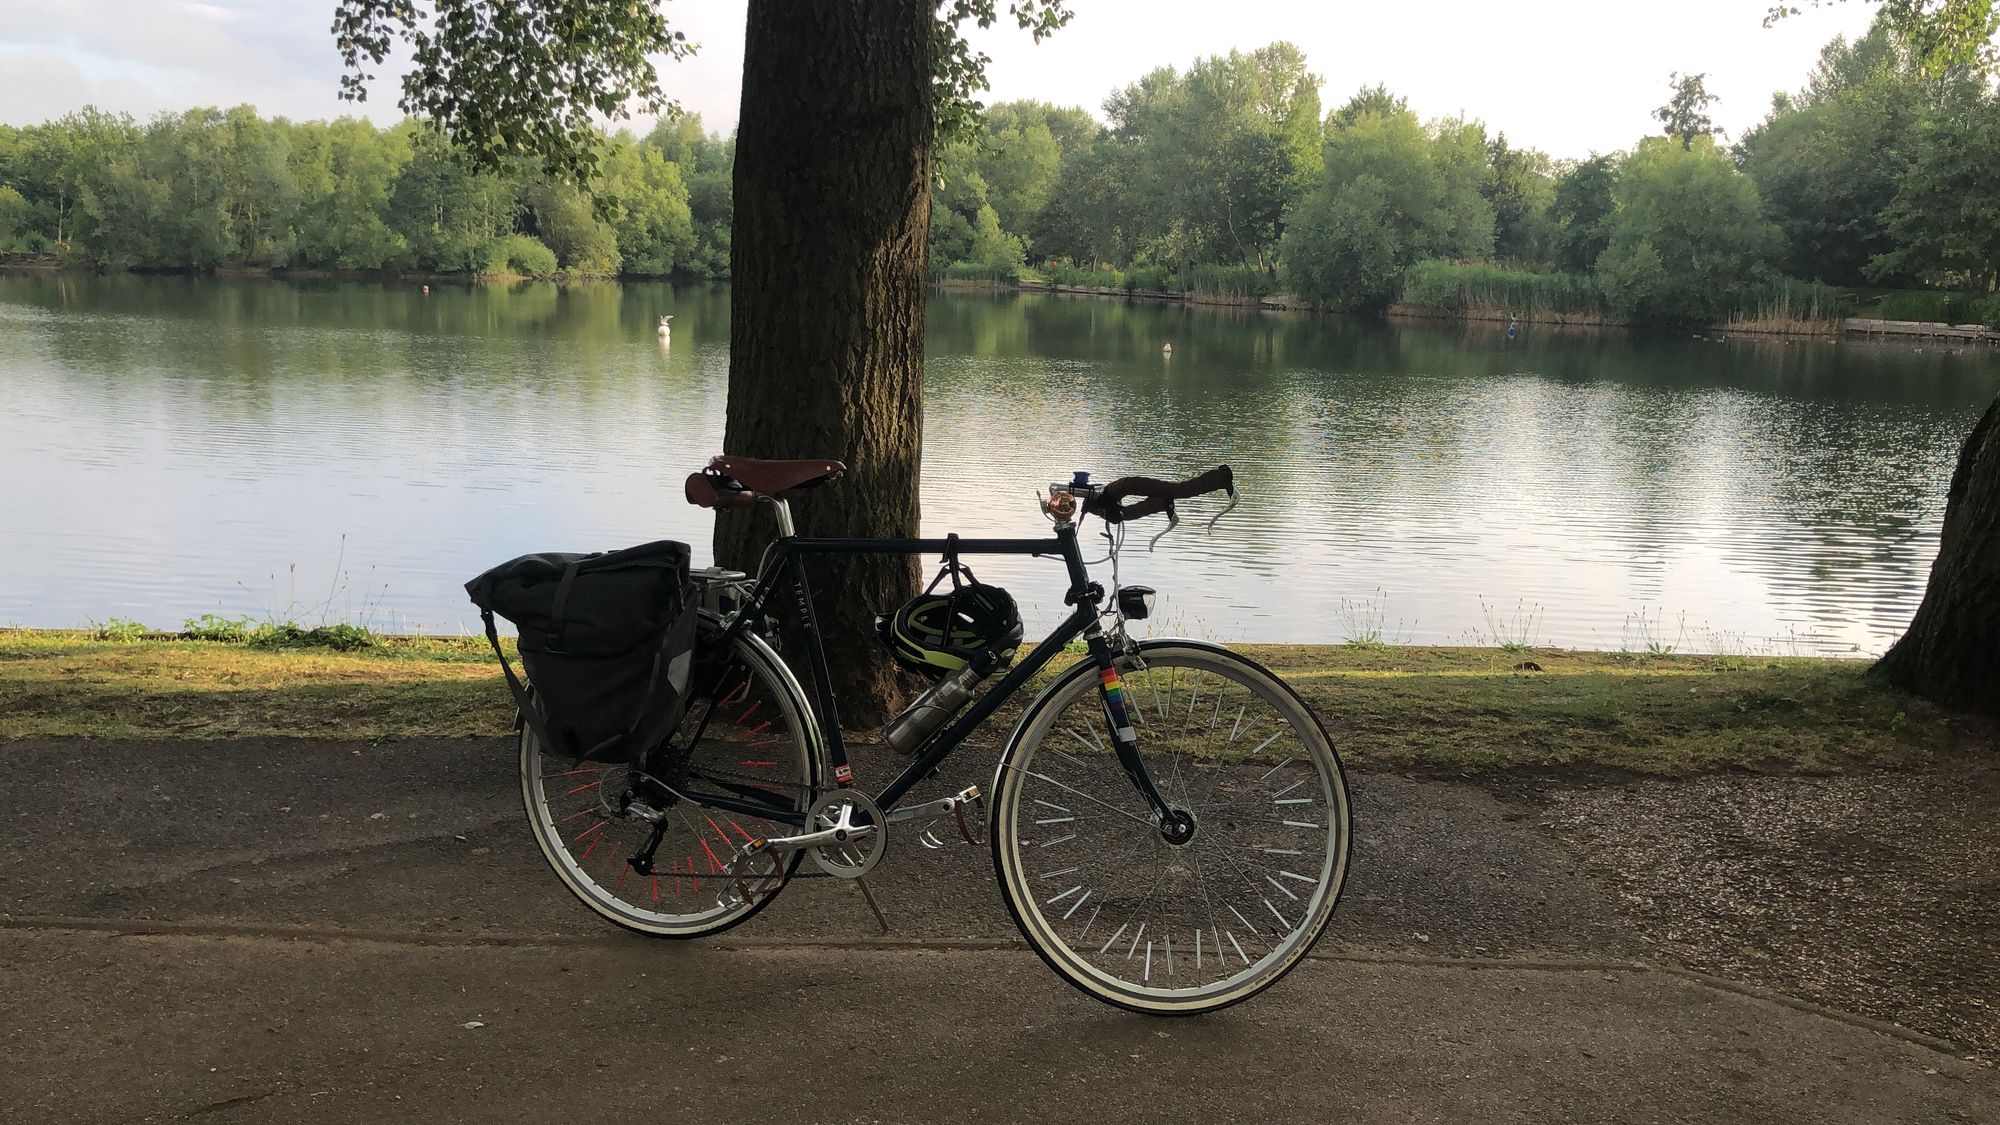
(974, 271)
(290, 634)
(522, 254)
(1934, 307)
(1455, 287)
(1782, 298)
(1063, 273)
(214, 627)
(1153, 279)
(1991, 319)
(1229, 281)
(121, 629)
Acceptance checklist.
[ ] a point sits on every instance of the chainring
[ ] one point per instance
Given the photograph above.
(856, 856)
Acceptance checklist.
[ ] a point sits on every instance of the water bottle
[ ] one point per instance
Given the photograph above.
(932, 709)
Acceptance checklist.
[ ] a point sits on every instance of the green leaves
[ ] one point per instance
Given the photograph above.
(1392, 192)
(959, 72)
(515, 79)
(1944, 221)
(1944, 35)
(1685, 115)
(1687, 236)
(525, 80)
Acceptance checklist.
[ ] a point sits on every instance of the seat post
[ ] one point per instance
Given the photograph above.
(783, 512)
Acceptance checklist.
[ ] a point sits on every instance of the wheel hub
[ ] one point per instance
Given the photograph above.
(1178, 828)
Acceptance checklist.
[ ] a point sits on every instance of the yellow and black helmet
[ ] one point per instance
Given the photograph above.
(939, 632)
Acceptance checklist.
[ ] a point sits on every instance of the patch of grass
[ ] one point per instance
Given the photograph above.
(290, 634)
(1363, 622)
(71, 684)
(1516, 635)
(120, 629)
(1420, 710)
(215, 627)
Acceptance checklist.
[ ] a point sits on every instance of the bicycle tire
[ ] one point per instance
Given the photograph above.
(1040, 791)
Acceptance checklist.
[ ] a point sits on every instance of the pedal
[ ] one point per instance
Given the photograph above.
(971, 813)
(968, 807)
(755, 869)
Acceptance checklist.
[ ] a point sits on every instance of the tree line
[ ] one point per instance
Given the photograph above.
(211, 188)
(1226, 177)
(1229, 177)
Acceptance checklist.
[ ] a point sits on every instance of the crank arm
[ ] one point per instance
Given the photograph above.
(935, 808)
(809, 839)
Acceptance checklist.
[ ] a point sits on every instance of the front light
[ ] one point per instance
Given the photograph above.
(1136, 602)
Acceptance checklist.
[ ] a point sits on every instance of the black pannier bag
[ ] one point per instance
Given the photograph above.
(606, 640)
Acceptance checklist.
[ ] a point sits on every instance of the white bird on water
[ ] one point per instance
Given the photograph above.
(1166, 349)
(665, 331)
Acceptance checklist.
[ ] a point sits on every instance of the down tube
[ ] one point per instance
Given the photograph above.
(943, 746)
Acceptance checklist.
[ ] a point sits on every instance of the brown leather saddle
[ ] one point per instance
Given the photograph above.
(737, 481)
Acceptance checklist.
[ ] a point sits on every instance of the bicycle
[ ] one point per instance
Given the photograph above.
(1169, 823)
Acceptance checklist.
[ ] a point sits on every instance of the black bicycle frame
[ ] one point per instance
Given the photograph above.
(785, 566)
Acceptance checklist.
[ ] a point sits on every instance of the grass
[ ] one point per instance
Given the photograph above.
(1423, 710)
(1454, 287)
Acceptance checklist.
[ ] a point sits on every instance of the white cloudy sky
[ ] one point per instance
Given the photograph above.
(1567, 76)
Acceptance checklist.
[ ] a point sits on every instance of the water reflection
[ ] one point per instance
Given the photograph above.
(189, 446)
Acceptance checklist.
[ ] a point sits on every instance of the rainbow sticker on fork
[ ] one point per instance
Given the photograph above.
(1114, 707)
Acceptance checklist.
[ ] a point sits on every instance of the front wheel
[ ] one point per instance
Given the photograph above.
(1157, 921)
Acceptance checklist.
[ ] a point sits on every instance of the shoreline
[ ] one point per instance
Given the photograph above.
(1858, 329)
(1424, 710)
(1831, 331)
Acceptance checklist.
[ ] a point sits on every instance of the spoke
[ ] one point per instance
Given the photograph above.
(1071, 789)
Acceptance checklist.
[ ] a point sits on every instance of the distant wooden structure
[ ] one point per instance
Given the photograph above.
(1858, 326)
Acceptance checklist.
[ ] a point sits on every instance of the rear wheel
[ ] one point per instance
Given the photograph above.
(1169, 922)
(591, 818)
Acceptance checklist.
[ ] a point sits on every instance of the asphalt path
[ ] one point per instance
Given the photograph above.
(318, 931)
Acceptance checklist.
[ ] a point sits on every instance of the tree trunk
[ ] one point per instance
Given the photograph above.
(826, 331)
(1952, 651)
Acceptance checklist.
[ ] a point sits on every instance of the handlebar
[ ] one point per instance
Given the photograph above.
(1157, 495)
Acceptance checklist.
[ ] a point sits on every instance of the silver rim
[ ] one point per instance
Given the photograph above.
(756, 736)
(1106, 900)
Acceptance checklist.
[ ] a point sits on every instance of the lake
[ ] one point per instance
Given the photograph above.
(354, 452)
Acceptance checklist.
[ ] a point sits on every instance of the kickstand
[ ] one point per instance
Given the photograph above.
(872, 904)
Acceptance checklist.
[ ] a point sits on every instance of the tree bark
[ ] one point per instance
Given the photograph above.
(826, 333)
(1952, 651)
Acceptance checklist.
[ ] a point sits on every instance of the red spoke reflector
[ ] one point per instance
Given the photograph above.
(656, 888)
(747, 838)
(714, 864)
(577, 815)
(590, 849)
(590, 831)
(749, 711)
(760, 764)
(719, 833)
(584, 786)
(754, 730)
(737, 691)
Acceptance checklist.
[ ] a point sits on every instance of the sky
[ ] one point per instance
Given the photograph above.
(1570, 77)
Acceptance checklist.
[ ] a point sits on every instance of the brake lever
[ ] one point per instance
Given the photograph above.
(1173, 521)
(1233, 497)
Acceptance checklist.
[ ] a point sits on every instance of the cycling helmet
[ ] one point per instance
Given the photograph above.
(939, 632)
